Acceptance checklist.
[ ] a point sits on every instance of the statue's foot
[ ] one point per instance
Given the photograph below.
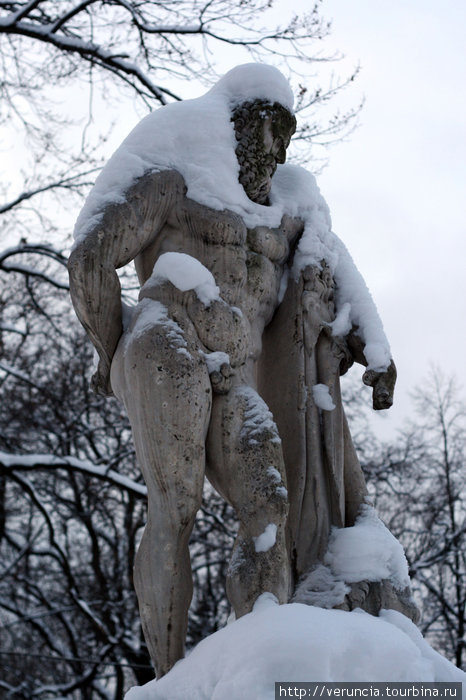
(356, 597)
(374, 596)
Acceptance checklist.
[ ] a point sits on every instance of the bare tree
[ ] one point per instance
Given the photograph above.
(419, 482)
(70, 68)
(144, 44)
(72, 509)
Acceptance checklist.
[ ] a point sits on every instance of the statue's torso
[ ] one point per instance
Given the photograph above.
(247, 264)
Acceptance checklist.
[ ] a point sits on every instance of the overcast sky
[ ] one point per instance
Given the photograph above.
(397, 188)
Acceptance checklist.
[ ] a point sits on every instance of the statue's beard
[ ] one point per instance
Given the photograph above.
(256, 166)
(256, 172)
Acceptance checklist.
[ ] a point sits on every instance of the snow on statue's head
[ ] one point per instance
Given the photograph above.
(254, 81)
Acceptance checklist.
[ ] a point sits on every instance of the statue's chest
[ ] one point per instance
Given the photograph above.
(271, 243)
(274, 243)
(212, 227)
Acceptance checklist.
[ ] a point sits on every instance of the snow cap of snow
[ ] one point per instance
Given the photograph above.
(254, 81)
(267, 539)
(185, 273)
(196, 138)
(368, 550)
(322, 397)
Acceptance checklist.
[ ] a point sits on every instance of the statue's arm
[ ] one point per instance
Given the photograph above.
(383, 382)
(122, 232)
(366, 341)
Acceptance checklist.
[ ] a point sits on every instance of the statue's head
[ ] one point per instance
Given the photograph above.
(263, 131)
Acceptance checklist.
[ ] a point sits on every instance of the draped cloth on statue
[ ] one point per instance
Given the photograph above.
(324, 478)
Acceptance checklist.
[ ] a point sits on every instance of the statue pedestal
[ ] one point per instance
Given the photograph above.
(300, 643)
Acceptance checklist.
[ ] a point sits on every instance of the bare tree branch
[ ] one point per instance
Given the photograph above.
(25, 463)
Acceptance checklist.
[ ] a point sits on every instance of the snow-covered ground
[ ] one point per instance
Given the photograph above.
(300, 643)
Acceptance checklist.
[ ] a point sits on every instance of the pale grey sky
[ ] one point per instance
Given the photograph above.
(397, 188)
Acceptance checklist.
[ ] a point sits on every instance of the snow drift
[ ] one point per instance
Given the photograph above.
(300, 643)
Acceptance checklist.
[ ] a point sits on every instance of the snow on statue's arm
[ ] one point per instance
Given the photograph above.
(366, 338)
(106, 240)
(357, 321)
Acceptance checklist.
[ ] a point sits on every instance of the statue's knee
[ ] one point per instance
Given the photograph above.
(267, 503)
(174, 510)
(277, 506)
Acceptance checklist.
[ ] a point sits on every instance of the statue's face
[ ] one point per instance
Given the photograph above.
(264, 132)
(271, 152)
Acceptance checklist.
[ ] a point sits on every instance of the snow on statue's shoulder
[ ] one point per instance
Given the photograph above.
(294, 191)
(185, 273)
(299, 643)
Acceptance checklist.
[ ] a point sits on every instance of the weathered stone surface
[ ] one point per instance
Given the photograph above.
(250, 422)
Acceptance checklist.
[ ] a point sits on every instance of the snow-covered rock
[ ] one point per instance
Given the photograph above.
(300, 643)
(367, 550)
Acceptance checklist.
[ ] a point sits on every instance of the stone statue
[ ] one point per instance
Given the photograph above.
(238, 321)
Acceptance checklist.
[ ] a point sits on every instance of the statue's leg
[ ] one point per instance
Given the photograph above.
(245, 464)
(163, 381)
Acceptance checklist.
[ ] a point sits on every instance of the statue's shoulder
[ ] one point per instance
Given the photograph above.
(166, 181)
(292, 227)
(115, 193)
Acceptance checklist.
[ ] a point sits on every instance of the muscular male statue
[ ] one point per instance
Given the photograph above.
(193, 368)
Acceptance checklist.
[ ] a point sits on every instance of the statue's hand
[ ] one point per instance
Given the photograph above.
(221, 379)
(383, 385)
(100, 381)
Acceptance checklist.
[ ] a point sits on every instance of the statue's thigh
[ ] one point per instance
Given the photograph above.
(244, 454)
(160, 375)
